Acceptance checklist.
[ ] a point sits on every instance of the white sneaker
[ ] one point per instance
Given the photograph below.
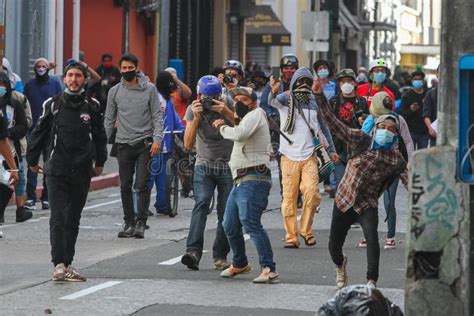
(390, 243)
(362, 243)
(267, 277)
(341, 274)
(59, 273)
(30, 205)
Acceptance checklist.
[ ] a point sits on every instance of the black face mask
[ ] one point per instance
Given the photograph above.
(241, 109)
(129, 75)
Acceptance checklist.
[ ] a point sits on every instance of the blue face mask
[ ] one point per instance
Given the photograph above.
(380, 77)
(323, 73)
(417, 84)
(3, 91)
(67, 91)
(383, 137)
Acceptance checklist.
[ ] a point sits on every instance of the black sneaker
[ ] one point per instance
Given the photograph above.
(23, 215)
(45, 205)
(127, 231)
(140, 230)
(191, 260)
(332, 194)
(149, 213)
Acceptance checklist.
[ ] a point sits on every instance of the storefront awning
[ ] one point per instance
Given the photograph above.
(264, 28)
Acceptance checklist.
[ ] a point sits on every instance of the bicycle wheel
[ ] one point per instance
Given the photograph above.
(172, 188)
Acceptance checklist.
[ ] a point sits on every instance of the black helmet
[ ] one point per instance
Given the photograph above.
(289, 60)
(346, 73)
(234, 64)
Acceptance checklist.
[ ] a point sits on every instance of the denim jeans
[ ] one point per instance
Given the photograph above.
(158, 178)
(420, 141)
(389, 202)
(245, 206)
(206, 179)
(340, 225)
(32, 182)
(131, 160)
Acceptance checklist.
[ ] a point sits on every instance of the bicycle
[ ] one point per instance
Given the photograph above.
(180, 170)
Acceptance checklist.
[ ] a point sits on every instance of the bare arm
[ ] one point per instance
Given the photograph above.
(184, 90)
(193, 117)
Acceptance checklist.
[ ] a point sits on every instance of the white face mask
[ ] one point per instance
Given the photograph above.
(347, 88)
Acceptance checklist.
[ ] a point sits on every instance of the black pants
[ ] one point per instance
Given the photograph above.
(131, 158)
(67, 196)
(340, 225)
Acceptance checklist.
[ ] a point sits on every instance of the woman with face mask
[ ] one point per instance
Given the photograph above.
(378, 71)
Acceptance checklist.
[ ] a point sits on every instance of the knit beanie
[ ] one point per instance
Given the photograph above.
(378, 107)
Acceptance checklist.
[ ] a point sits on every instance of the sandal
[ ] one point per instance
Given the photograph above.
(289, 244)
(310, 241)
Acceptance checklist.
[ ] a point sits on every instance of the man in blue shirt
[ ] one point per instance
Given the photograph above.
(38, 90)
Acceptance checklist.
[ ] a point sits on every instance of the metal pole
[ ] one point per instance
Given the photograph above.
(164, 33)
(76, 28)
(126, 24)
(59, 36)
(52, 30)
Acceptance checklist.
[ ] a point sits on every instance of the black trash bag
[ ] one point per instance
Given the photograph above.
(359, 300)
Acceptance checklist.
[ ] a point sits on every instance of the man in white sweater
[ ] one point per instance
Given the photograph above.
(252, 182)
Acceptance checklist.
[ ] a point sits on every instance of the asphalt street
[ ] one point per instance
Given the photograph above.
(145, 277)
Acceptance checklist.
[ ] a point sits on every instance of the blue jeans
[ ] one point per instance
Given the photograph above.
(420, 141)
(206, 180)
(158, 178)
(245, 206)
(389, 202)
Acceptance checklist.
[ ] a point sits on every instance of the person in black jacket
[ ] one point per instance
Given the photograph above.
(64, 128)
(412, 108)
(12, 112)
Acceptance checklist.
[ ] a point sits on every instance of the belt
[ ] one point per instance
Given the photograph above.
(259, 170)
(253, 177)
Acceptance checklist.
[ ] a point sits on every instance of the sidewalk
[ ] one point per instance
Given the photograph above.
(109, 177)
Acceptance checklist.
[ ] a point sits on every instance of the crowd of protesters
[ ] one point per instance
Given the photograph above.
(353, 130)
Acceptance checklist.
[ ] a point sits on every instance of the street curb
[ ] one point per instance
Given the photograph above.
(97, 183)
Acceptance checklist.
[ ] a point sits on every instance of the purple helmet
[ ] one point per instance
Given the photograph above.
(209, 85)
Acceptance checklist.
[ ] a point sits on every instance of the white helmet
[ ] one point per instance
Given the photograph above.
(379, 62)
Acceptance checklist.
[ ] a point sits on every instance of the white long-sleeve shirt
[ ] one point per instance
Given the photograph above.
(252, 145)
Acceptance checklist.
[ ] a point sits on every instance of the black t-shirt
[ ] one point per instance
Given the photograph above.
(414, 119)
(3, 128)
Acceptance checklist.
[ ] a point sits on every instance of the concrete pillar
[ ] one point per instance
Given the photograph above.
(438, 239)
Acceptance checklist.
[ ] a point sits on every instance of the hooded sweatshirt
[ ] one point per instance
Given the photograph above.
(303, 146)
(12, 112)
(15, 80)
(137, 110)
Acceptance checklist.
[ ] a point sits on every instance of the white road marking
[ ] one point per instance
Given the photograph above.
(28, 221)
(102, 204)
(90, 290)
(174, 261)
